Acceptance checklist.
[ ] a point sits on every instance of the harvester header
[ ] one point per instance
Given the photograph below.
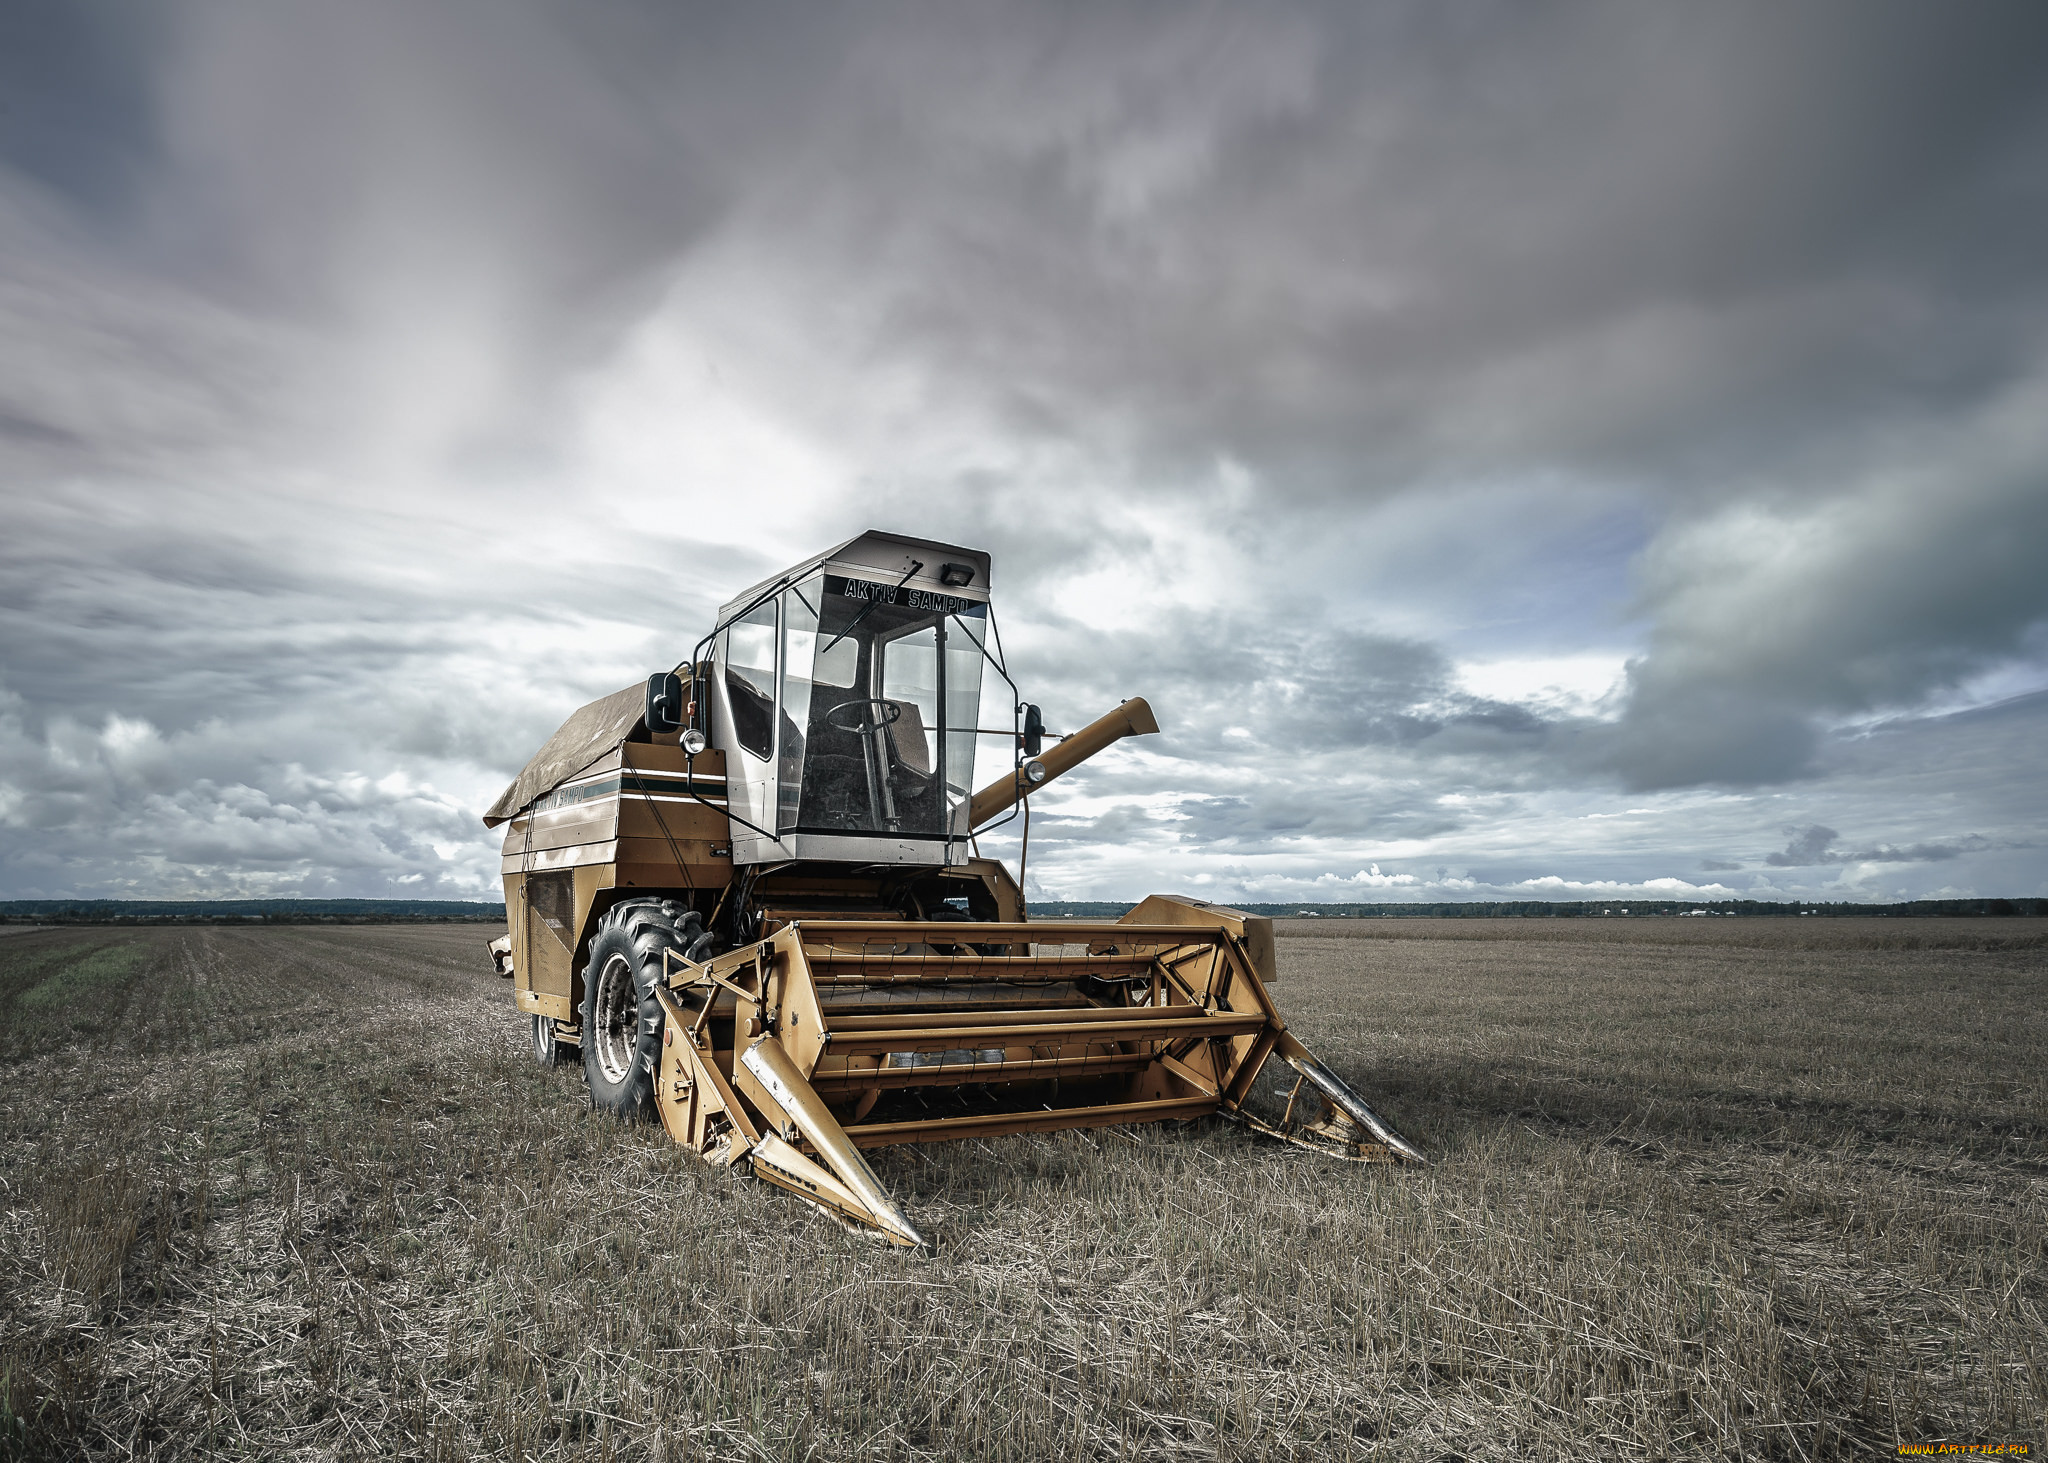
(747, 894)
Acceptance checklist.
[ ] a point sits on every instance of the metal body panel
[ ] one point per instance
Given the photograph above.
(537, 1003)
(549, 901)
(864, 848)
(851, 848)
(750, 786)
(574, 856)
(570, 827)
(1256, 930)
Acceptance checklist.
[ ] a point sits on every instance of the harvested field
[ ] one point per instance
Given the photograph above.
(1702, 1189)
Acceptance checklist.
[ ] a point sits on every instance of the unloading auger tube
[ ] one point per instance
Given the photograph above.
(746, 896)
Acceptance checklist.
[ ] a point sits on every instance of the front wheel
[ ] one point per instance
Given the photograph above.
(621, 1016)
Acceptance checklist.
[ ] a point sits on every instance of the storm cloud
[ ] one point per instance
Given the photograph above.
(1559, 449)
(1816, 845)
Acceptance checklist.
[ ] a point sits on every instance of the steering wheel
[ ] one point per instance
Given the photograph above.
(886, 713)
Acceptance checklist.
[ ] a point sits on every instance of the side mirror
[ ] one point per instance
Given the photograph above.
(1034, 731)
(664, 702)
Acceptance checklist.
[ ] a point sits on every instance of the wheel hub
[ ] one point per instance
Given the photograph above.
(615, 1007)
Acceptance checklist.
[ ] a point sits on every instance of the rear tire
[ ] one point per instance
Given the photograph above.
(621, 1016)
(546, 1050)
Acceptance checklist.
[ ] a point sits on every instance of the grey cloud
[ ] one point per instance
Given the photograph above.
(1718, 866)
(76, 79)
(1861, 602)
(1294, 682)
(1794, 295)
(523, 193)
(1808, 846)
(1626, 245)
(1311, 827)
(1171, 231)
(121, 809)
(1816, 845)
(1918, 853)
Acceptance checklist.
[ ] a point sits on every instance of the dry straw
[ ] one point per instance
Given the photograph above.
(1769, 1190)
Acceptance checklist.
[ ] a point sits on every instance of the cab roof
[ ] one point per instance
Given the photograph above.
(885, 556)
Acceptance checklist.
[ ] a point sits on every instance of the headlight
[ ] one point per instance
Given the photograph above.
(694, 741)
(1034, 772)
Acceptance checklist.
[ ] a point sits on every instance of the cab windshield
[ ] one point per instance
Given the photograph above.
(881, 688)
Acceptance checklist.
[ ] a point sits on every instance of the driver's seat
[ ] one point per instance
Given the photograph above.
(907, 739)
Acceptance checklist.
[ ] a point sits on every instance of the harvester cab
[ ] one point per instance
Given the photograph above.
(846, 693)
(748, 897)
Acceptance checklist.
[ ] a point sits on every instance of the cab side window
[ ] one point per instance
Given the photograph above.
(750, 679)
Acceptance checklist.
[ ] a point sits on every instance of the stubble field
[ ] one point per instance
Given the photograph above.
(1701, 1189)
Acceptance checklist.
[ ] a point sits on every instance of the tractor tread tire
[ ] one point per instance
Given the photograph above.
(639, 929)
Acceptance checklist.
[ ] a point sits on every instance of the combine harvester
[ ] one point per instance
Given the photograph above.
(749, 894)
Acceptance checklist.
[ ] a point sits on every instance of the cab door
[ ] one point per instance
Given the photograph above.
(749, 724)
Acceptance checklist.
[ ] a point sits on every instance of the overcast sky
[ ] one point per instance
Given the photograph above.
(1572, 450)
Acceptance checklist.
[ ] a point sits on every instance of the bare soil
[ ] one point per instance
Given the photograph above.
(1701, 1188)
